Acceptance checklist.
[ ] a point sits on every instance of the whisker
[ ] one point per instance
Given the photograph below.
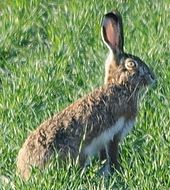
(133, 91)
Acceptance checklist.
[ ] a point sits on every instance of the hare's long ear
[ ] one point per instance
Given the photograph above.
(112, 31)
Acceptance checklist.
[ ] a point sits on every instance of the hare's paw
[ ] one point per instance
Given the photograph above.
(105, 171)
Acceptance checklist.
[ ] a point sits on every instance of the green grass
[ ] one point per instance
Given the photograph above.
(51, 54)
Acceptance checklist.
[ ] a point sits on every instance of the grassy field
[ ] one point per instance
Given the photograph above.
(51, 54)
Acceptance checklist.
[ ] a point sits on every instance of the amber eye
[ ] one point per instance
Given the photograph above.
(130, 64)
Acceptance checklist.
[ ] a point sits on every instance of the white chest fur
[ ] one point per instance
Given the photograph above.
(127, 128)
(121, 126)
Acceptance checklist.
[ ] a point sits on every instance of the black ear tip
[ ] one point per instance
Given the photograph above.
(115, 15)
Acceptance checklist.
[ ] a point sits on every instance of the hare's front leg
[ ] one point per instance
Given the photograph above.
(110, 154)
(113, 152)
(105, 170)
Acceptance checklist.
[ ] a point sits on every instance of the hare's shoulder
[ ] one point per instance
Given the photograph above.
(101, 96)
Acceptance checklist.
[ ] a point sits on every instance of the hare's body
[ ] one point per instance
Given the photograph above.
(92, 121)
(98, 121)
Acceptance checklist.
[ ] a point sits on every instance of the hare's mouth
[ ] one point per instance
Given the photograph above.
(148, 80)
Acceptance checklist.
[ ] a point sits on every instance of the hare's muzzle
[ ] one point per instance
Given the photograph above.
(150, 79)
(146, 75)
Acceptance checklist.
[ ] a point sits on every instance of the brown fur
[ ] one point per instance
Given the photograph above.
(87, 118)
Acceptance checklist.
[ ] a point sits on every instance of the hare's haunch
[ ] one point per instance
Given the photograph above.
(97, 122)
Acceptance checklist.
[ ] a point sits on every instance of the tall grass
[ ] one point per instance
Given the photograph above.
(51, 54)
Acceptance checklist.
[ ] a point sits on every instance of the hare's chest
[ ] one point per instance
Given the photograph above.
(102, 140)
(122, 126)
(128, 125)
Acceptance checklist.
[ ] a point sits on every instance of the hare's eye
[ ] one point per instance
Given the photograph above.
(130, 64)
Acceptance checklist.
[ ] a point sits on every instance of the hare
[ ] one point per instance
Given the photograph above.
(96, 122)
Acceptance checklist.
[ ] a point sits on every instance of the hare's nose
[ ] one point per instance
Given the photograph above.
(152, 76)
(152, 80)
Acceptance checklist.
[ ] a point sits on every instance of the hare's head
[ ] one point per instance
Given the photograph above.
(121, 67)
